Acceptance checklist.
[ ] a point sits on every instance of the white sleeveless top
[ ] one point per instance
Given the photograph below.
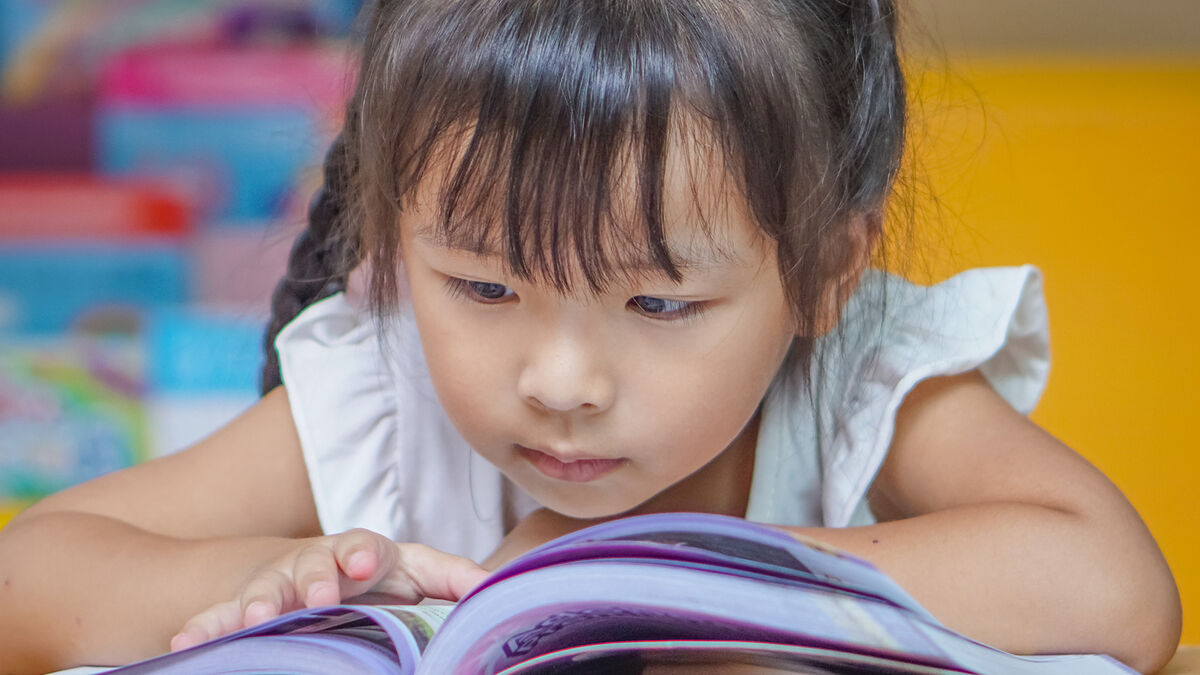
(382, 454)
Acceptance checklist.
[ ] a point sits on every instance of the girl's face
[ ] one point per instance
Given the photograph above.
(643, 395)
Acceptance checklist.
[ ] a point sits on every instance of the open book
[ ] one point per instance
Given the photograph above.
(657, 593)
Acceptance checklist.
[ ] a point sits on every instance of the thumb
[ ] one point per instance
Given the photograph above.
(440, 575)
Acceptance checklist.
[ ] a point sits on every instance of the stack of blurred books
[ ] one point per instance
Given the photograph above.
(156, 160)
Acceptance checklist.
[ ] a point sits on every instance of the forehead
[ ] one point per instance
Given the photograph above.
(573, 227)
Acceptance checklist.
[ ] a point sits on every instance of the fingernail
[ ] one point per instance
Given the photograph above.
(310, 598)
(256, 613)
(357, 560)
(180, 642)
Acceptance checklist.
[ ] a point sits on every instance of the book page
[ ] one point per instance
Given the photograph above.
(709, 657)
(700, 577)
(358, 634)
(721, 541)
(616, 600)
(422, 621)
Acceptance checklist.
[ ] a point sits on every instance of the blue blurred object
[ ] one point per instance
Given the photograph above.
(295, 20)
(47, 288)
(241, 164)
(70, 410)
(18, 19)
(204, 117)
(203, 351)
(203, 371)
(237, 129)
(53, 54)
(116, 24)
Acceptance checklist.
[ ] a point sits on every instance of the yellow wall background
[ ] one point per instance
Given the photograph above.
(1089, 168)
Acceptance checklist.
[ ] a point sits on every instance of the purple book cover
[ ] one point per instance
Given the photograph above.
(721, 541)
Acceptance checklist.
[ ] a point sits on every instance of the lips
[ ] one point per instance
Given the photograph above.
(573, 471)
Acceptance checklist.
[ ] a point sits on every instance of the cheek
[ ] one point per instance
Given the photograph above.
(697, 411)
(739, 361)
(467, 372)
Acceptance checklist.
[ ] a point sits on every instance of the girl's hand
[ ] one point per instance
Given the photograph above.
(326, 570)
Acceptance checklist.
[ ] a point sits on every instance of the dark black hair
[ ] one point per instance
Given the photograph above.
(318, 261)
(547, 107)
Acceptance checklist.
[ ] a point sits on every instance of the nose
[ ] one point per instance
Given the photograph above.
(565, 372)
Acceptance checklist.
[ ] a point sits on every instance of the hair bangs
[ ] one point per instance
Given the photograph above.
(564, 117)
(550, 127)
(551, 135)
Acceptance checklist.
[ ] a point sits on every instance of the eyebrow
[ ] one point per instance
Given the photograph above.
(693, 261)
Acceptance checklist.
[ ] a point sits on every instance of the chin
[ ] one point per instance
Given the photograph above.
(584, 510)
(573, 509)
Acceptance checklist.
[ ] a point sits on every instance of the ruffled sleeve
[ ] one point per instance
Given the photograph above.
(381, 453)
(821, 443)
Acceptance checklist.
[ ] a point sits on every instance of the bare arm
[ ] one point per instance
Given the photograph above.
(1001, 531)
(192, 546)
(1009, 537)
(108, 571)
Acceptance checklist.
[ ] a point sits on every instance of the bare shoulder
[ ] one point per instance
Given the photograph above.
(959, 442)
(246, 479)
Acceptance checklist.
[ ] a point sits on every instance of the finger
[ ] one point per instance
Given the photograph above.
(316, 573)
(218, 620)
(364, 556)
(437, 574)
(266, 596)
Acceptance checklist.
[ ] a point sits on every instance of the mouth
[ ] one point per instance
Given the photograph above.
(581, 470)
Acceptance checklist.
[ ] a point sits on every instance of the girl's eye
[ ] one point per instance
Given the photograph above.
(488, 291)
(664, 309)
(479, 291)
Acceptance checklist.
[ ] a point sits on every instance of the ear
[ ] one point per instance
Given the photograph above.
(358, 286)
(861, 233)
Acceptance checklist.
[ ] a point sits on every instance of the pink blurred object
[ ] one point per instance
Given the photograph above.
(239, 267)
(47, 135)
(79, 207)
(206, 75)
(237, 128)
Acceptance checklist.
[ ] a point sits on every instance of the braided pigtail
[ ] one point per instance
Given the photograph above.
(320, 257)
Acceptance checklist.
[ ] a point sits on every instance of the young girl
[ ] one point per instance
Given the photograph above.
(588, 258)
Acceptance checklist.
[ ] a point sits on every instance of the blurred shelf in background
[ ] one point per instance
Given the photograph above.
(156, 161)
